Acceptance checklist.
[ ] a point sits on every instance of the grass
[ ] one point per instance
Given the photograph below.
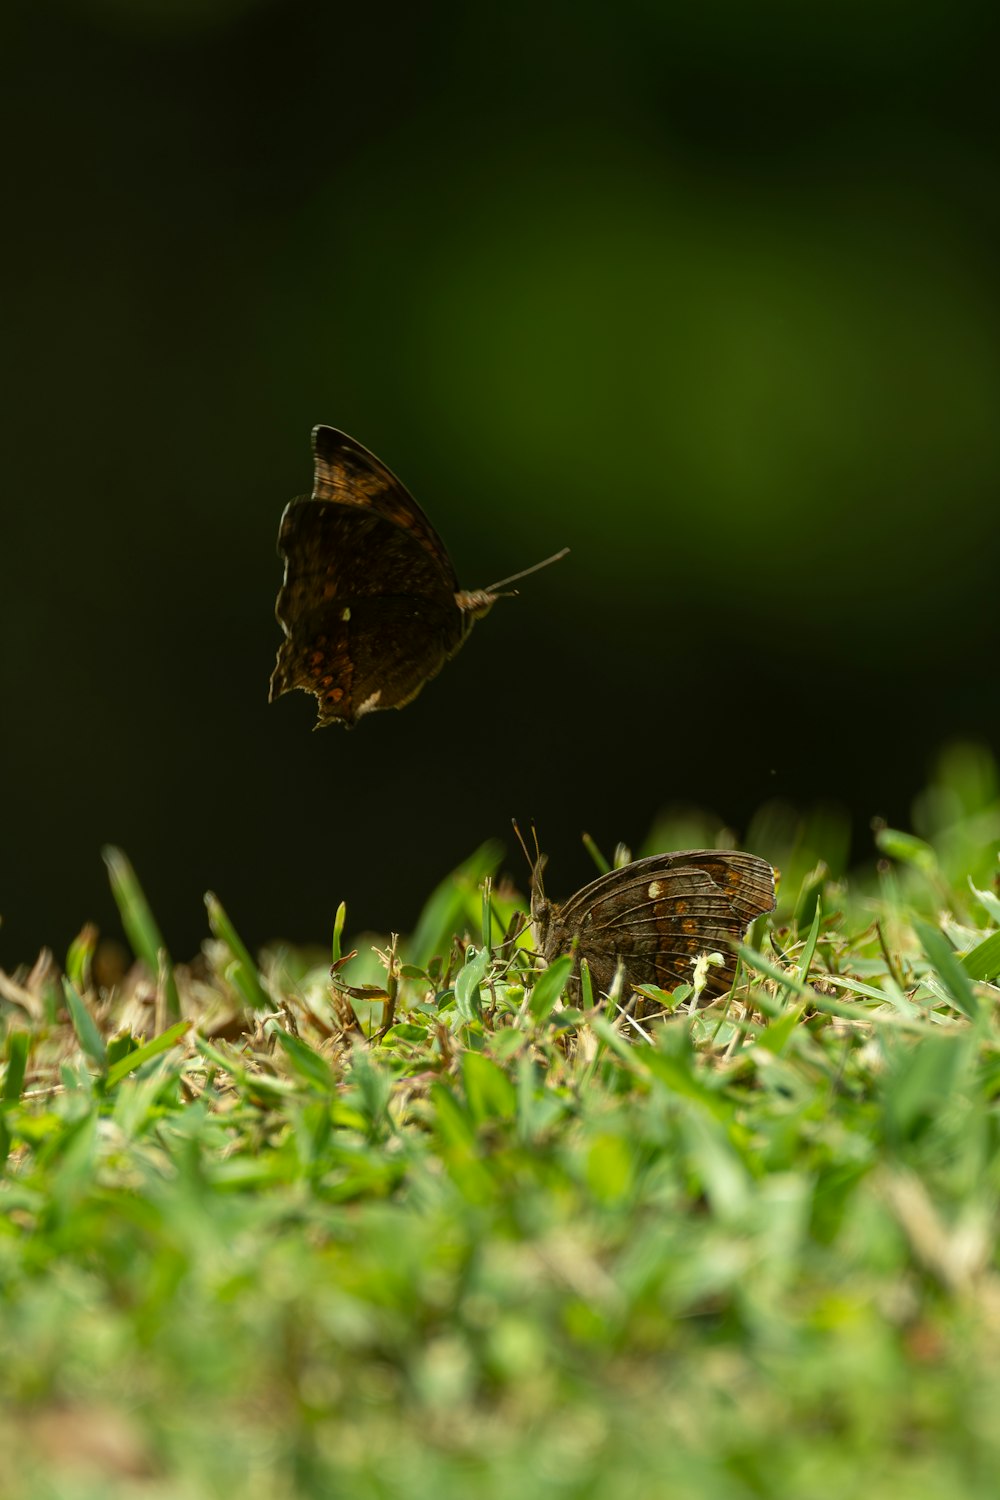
(255, 1243)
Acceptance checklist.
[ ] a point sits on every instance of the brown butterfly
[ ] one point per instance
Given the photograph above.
(654, 917)
(370, 604)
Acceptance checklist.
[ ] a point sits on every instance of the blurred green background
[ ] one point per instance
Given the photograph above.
(705, 291)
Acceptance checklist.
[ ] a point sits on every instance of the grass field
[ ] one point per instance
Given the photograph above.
(252, 1246)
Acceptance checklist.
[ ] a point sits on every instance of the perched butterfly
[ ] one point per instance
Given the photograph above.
(370, 604)
(655, 916)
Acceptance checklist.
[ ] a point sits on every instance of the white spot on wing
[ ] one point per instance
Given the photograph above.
(370, 703)
(655, 890)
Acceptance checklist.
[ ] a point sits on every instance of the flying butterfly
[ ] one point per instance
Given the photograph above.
(370, 604)
(654, 917)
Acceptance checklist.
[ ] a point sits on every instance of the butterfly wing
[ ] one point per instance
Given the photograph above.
(368, 611)
(657, 915)
(347, 473)
(366, 655)
(747, 880)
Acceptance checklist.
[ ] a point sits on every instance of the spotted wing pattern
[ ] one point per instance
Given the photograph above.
(656, 916)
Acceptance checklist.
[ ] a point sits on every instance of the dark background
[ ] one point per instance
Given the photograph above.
(705, 291)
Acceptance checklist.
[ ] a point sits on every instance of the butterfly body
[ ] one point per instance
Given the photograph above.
(370, 605)
(654, 917)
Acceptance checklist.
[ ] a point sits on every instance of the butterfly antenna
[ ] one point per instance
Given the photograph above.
(502, 582)
(536, 865)
(520, 840)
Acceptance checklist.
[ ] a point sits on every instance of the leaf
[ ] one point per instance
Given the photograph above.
(948, 968)
(467, 983)
(668, 1000)
(490, 1094)
(405, 1031)
(982, 963)
(549, 986)
(120, 1046)
(988, 900)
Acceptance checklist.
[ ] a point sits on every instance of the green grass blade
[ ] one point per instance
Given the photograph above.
(816, 1001)
(140, 925)
(907, 849)
(487, 927)
(145, 1053)
(85, 1026)
(242, 972)
(166, 984)
(488, 1090)
(79, 957)
(603, 864)
(586, 985)
(810, 944)
(447, 911)
(948, 968)
(218, 1059)
(549, 986)
(338, 932)
(680, 1074)
(310, 1067)
(982, 963)
(18, 1045)
(922, 1081)
(986, 899)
